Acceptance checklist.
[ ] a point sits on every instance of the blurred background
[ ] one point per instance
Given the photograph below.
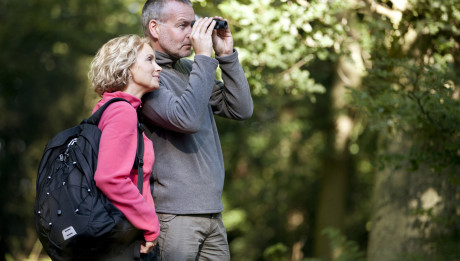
(353, 151)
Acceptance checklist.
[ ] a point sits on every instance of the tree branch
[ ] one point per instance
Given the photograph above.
(394, 15)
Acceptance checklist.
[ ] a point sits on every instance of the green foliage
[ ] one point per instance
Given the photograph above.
(412, 85)
(277, 252)
(270, 178)
(412, 89)
(288, 50)
(343, 249)
(281, 38)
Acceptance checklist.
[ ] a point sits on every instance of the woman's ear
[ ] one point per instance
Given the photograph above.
(154, 29)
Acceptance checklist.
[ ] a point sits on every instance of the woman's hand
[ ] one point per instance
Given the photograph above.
(148, 247)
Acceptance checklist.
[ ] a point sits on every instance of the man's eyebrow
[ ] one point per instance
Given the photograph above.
(184, 20)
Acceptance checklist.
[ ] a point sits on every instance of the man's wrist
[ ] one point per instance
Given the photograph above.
(231, 58)
(225, 53)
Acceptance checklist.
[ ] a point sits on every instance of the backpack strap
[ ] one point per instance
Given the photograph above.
(94, 119)
(139, 160)
(140, 156)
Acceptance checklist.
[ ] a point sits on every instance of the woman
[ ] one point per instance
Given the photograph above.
(125, 67)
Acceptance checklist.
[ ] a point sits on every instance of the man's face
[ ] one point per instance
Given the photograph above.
(175, 29)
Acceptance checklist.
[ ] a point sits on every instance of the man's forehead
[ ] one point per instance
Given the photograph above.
(178, 11)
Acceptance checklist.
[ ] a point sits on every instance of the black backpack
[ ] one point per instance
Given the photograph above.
(73, 218)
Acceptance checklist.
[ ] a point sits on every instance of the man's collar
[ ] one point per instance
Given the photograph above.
(164, 59)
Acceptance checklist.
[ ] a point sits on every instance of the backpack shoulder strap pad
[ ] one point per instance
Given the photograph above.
(94, 119)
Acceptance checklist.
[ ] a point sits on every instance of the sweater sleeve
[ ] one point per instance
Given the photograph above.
(182, 113)
(115, 175)
(232, 98)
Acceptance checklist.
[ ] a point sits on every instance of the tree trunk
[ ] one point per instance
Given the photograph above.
(415, 212)
(336, 166)
(331, 204)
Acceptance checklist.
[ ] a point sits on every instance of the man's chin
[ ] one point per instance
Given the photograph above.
(187, 53)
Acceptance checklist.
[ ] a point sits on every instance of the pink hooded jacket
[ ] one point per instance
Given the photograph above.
(115, 175)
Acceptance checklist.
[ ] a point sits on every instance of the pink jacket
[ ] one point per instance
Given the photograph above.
(115, 175)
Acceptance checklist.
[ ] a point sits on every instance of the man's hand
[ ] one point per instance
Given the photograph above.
(148, 247)
(222, 40)
(201, 36)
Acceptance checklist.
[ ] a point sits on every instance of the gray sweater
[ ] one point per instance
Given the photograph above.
(188, 173)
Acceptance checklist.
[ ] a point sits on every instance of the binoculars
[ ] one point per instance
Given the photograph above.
(220, 24)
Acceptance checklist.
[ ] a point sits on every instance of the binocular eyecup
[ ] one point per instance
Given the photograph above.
(220, 24)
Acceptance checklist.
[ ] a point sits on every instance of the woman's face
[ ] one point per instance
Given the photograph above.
(145, 71)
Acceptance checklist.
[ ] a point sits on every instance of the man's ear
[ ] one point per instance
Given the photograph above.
(154, 29)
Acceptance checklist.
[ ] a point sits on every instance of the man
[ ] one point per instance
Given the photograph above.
(188, 174)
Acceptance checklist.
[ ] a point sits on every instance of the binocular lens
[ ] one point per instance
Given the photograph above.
(220, 24)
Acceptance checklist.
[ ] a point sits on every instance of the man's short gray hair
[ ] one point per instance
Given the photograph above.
(153, 10)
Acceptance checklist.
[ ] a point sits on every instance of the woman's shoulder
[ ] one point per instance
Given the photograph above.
(121, 114)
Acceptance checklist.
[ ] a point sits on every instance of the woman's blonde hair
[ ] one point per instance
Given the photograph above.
(110, 67)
